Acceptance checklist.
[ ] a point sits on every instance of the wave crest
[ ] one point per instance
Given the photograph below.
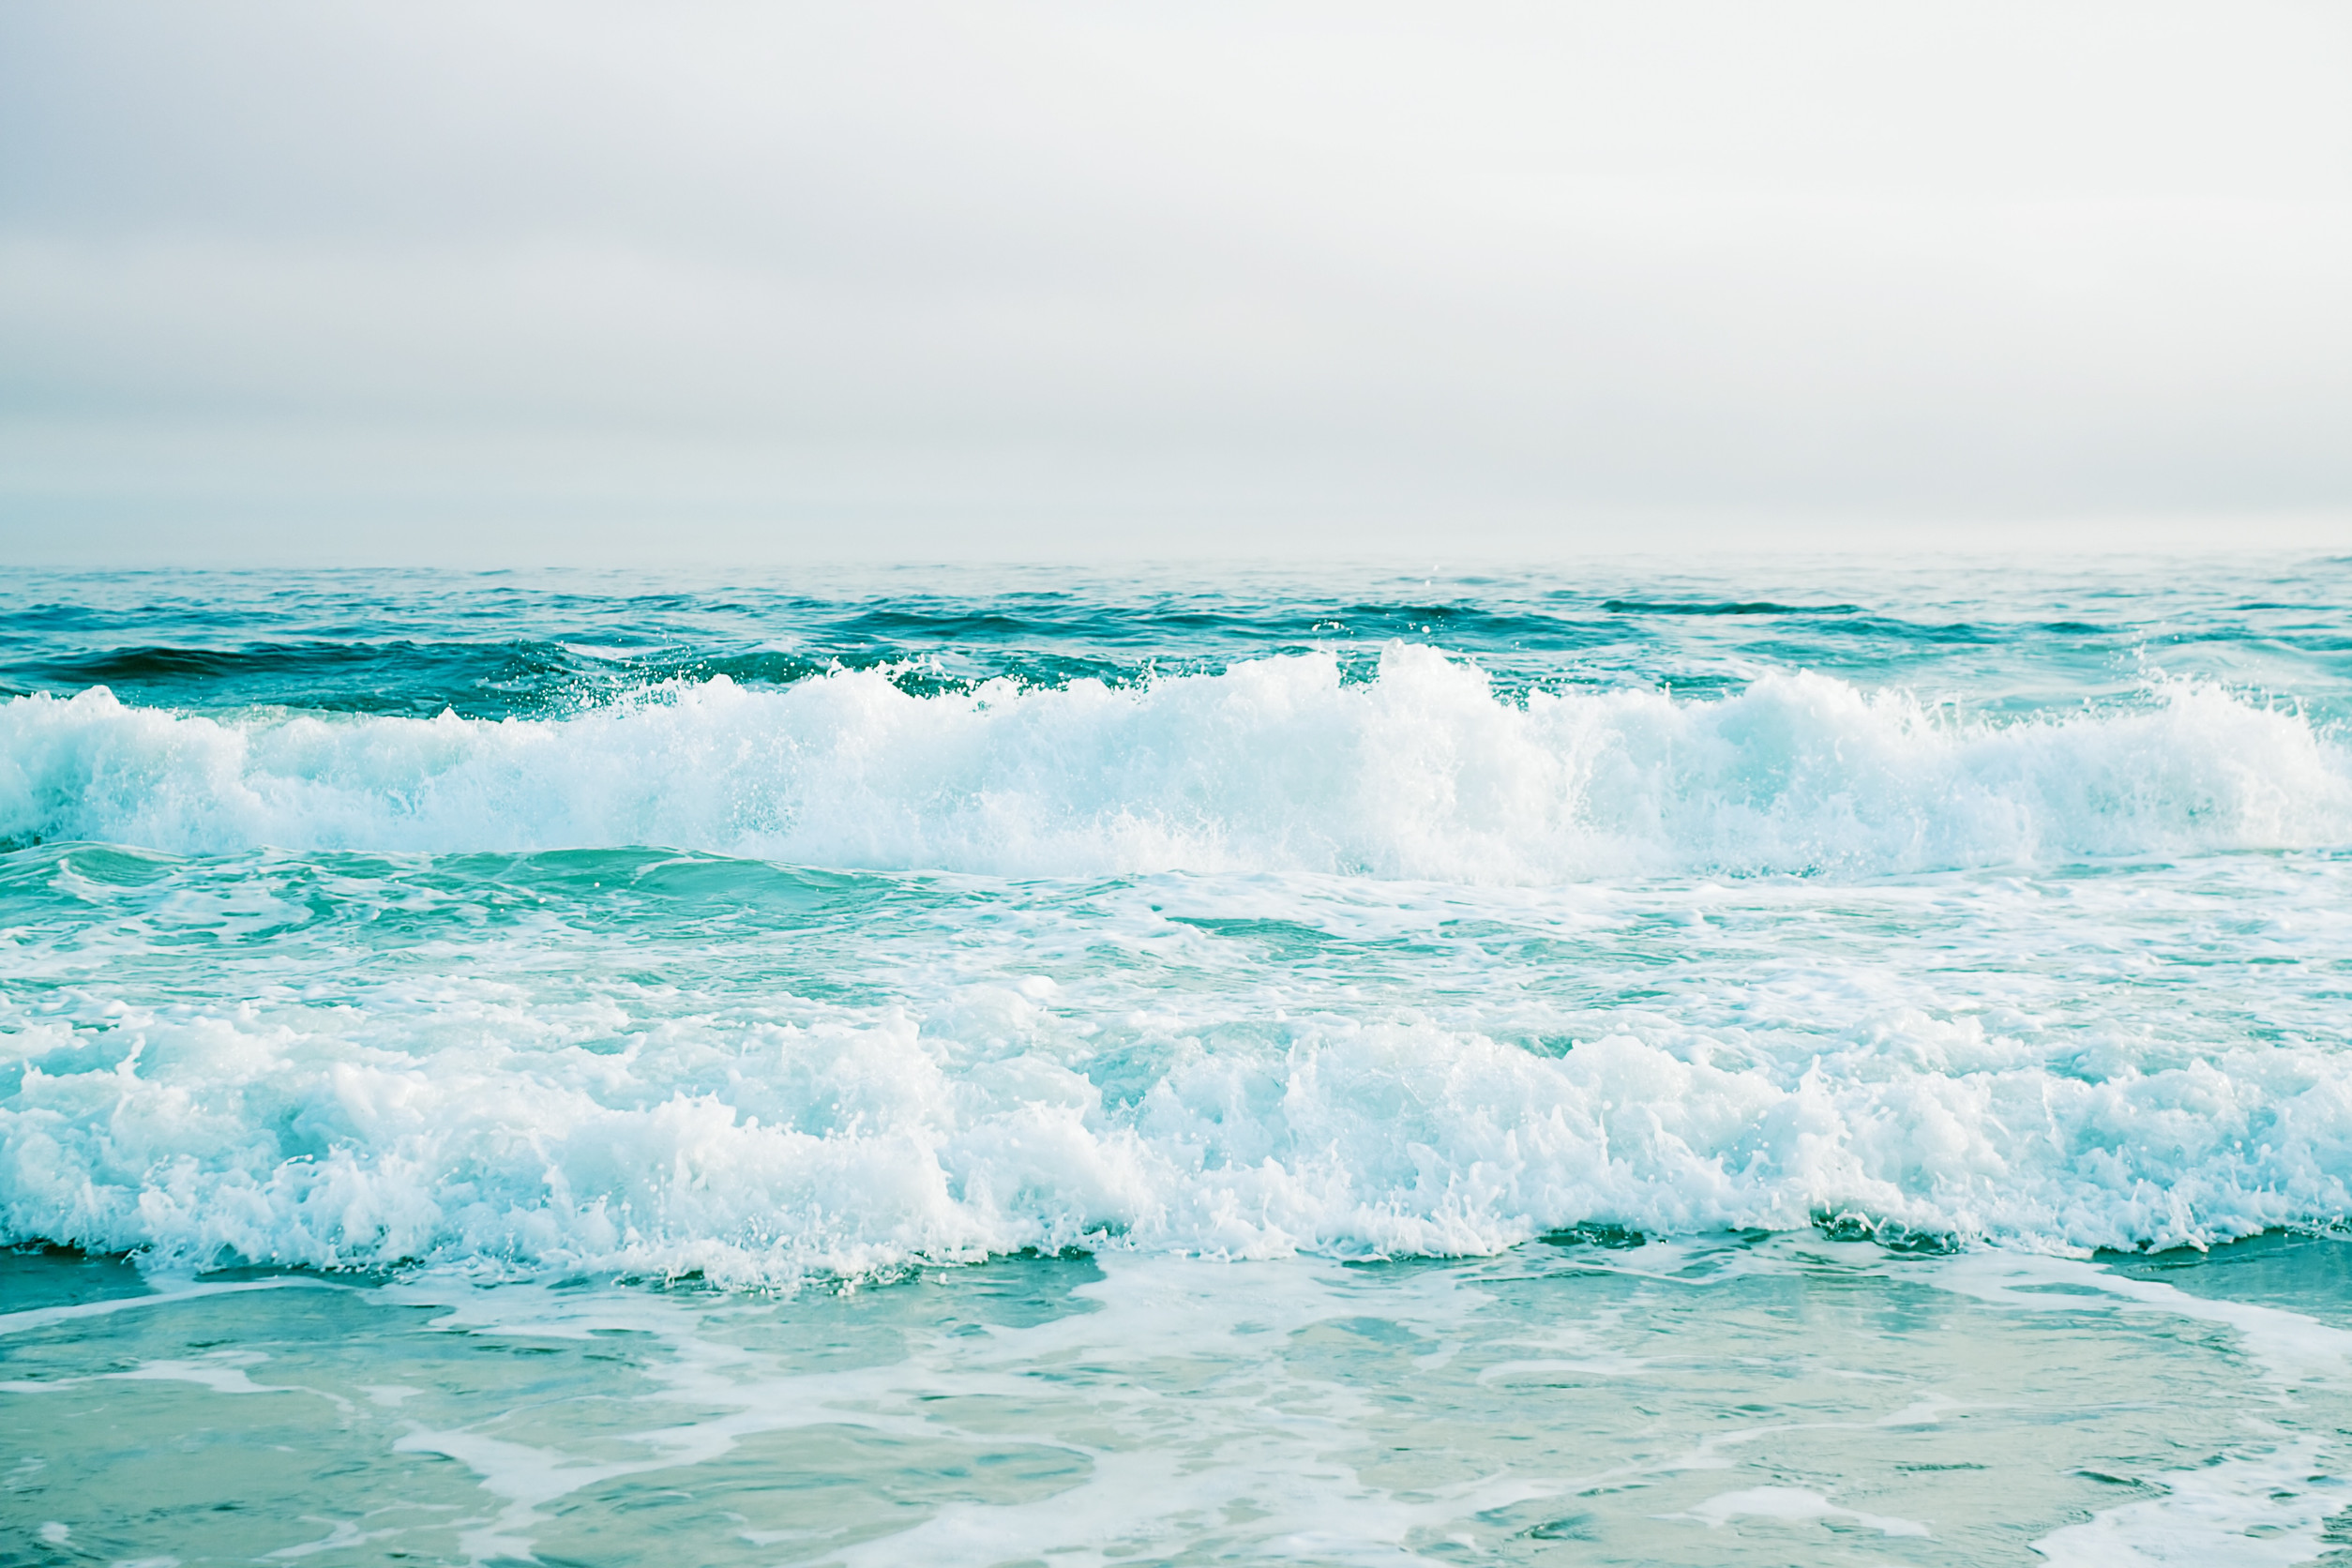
(852, 1150)
(1275, 764)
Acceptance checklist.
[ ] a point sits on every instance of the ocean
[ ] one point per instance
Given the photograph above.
(1841, 1060)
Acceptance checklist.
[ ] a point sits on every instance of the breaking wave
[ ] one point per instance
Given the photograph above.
(854, 1149)
(1277, 765)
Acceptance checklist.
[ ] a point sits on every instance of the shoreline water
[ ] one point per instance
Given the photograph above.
(1713, 1400)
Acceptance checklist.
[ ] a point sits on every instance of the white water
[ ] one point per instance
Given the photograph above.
(1464, 1034)
(1272, 766)
(548, 1097)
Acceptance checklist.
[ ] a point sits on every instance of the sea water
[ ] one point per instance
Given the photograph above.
(1770, 1063)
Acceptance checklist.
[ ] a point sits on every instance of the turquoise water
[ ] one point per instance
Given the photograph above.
(1833, 1061)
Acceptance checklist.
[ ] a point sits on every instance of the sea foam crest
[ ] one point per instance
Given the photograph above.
(850, 1147)
(1275, 764)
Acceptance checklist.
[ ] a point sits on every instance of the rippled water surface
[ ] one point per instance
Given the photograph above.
(1799, 1062)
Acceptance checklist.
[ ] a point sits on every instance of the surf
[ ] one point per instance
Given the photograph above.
(1278, 764)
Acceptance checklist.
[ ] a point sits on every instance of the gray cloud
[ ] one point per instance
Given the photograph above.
(527, 282)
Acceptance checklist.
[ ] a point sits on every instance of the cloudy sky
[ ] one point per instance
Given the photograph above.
(509, 281)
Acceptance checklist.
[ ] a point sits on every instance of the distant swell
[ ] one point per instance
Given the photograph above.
(1274, 765)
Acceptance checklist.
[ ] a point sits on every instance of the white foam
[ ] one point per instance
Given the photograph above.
(841, 1146)
(2263, 1512)
(470, 1103)
(1273, 765)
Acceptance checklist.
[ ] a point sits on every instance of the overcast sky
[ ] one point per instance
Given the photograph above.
(510, 282)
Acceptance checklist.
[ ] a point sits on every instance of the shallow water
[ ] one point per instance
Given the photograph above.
(1711, 1401)
(1622, 1065)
